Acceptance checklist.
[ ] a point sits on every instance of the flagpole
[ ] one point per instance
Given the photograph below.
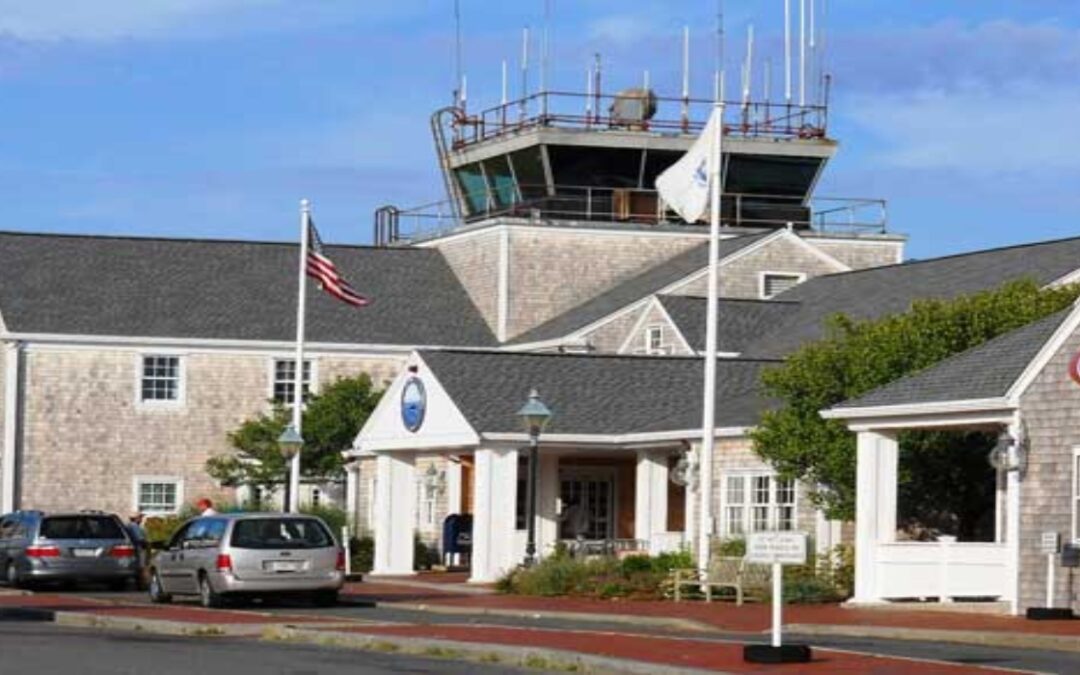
(708, 425)
(298, 372)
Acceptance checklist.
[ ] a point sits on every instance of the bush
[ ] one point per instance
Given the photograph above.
(334, 517)
(424, 557)
(362, 554)
(638, 577)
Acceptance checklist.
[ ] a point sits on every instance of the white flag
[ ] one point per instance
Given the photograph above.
(684, 186)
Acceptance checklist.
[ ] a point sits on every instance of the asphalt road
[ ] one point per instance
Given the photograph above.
(1042, 661)
(47, 649)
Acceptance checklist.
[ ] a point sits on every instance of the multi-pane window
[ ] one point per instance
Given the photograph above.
(774, 283)
(157, 496)
(757, 503)
(160, 378)
(654, 340)
(285, 380)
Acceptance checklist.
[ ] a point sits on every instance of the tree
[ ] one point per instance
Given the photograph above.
(856, 357)
(331, 420)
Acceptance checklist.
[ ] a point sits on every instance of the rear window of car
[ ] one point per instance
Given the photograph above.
(264, 533)
(81, 527)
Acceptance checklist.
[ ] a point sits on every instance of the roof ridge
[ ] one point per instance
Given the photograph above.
(951, 256)
(604, 356)
(193, 240)
(759, 301)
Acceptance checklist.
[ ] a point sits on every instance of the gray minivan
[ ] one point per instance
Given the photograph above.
(249, 554)
(81, 546)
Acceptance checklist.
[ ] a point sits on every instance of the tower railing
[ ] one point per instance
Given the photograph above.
(624, 206)
(670, 115)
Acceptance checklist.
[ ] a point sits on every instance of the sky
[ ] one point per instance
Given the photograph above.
(213, 118)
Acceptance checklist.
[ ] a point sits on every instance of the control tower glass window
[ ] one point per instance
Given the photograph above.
(501, 181)
(473, 188)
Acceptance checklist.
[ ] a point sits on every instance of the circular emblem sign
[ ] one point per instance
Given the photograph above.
(1074, 368)
(413, 404)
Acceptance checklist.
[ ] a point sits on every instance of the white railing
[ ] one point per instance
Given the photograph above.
(943, 569)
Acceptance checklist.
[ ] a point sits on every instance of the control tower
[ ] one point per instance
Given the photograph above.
(593, 157)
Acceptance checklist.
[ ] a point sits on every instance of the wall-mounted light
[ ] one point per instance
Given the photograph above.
(685, 471)
(1010, 453)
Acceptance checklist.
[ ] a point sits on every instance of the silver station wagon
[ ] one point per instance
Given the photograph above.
(69, 547)
(249, 554)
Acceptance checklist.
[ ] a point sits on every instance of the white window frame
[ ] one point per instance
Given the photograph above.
(181, 382)
(748, 504)
(1076, 495)
(649, 332)
(138, 481)
(763, 275)
(313, 384)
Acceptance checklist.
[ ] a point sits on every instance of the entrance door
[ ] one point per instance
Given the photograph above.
(588, 504)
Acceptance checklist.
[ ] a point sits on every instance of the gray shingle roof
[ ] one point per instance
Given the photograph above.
(640, 286)
(876, 292)
(986, 371)
(741, 321)
(595, 394)
(180, 288)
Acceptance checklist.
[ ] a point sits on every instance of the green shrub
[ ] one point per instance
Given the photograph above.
(424, 556)
(734, 547)
(362, 554)
(333, 516)
(638, 577)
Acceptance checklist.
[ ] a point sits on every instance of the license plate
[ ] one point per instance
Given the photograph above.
(84, 552)
(283, 566)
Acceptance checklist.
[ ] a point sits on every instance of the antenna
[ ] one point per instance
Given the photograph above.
(458, 61)
(505, 83)
(645, 80)
(596, 85)
(802, 53)
(787, 51)
(748, 68)
(721, 48)
(544, 47)
(588, 94)
(524, 69)
(813, 46)
(686, 79)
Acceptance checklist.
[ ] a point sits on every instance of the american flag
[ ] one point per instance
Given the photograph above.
(323, 270)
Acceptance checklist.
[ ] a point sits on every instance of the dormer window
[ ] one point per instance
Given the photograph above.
(775, 283)
(654, 340)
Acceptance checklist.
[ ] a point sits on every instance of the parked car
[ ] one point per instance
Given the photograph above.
(249, 554)
(84, 546)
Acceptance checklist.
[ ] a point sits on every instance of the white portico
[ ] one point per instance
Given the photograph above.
(1016, 387)
(606, 459)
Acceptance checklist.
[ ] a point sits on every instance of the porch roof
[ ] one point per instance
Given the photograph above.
(596, 395)
(985, 372)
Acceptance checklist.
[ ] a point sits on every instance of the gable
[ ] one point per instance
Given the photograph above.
(443, 423)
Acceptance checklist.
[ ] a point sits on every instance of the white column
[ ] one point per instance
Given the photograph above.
(395, 513)
(9, 468)
(650, 496)
(875, 507)
(690, 504)
(547, 507)
(494, 507)
(352, 486)
(1012, 526)
(453, 488)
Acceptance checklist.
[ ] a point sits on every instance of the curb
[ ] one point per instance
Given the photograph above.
(1061, 643)
(509, 655)
(646, 621)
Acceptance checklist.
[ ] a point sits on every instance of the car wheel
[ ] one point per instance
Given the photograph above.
(324, 598)
(157, 591)
(11, 575)
(208, 597)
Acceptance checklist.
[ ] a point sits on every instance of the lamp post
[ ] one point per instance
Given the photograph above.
(289, 443)
(534, 416)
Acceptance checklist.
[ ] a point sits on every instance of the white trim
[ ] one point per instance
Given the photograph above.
(914, 409)
(799, 277)
(635, 330)
(772, 506)
(113, 341)
(1074, 501)
(177, 404)
(9, 463)
(675, 329)
(271, 368)
(1047, 352)
(137, 481)
(1066, 279)
(488, 227)
(824, 257)
(618, 439)
(503, 309)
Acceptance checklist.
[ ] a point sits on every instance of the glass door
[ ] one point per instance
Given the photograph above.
(588, 505)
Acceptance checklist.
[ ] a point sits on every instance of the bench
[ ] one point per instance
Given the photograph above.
(724, 572)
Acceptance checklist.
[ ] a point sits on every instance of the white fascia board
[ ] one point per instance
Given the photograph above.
(674, 327)
(1049, 348)
(818, 253)
(616, 439)
(917, 410)
(444, 424)
(952, 420)
(525, 226)
(1070, 278)
(106, 341)
(3, 326)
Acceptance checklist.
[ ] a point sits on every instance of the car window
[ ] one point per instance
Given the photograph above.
(7, 526)
(267, 533)
(81, 527)
(205, 531)
(180, 535)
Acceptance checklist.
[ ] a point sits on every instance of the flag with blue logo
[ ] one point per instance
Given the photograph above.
(684, 186)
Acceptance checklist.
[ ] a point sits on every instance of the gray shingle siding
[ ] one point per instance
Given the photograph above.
(177, 288)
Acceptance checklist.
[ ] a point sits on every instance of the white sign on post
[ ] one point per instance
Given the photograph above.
(1051, 542)
(784, 548)
(777, 549)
